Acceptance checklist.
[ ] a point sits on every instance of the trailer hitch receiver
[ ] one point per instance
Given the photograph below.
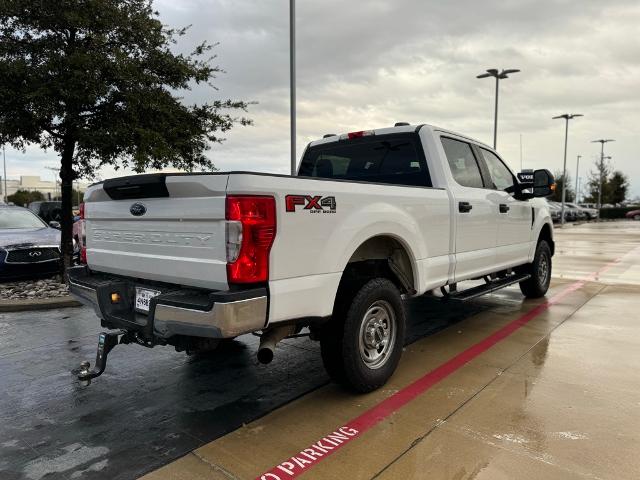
(106, 342)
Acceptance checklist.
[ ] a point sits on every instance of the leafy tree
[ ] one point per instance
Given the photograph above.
(557, 194)
(617, 187)
(97, 81)
(25, 197)
(602, 170)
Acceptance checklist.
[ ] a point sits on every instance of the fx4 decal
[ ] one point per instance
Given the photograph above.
(312, 203)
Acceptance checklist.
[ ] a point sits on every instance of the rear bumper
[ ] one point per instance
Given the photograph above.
(176, 311)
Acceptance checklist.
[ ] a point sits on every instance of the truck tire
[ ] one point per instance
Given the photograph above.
(537, 285)
(362, 344)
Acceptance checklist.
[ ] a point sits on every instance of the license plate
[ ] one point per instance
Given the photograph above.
(143, 298)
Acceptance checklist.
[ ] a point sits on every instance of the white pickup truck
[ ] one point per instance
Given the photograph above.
(372, 217)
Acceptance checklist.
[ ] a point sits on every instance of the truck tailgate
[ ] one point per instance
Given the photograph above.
(178, 238)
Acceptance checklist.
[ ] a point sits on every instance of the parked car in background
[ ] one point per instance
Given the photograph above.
(569, 214)
(47, 211)
(577, 212)
(28, 246)
(633, 214)
(589, 213)
(554, 211)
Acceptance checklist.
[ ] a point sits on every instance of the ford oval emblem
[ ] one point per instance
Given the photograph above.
(138, 209)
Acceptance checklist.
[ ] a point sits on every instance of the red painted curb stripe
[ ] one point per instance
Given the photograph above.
(310, 456)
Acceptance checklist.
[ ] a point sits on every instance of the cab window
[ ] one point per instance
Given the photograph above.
(395, 159)
(462, 162)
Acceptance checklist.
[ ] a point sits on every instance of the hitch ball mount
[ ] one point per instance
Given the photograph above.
(106, 342)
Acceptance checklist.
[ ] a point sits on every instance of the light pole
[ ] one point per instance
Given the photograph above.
(577, 170)
(494, 72)
(567, 117)
(601, 142)
(292, 80)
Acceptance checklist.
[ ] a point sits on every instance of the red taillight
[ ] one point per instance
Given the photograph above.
(82, 211)
(83, 255)
(257, 216)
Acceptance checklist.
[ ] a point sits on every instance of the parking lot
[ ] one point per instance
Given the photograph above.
(495, 388)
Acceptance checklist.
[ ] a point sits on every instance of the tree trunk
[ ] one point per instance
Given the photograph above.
(67, 176)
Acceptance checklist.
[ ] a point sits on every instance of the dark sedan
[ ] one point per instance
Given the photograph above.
(28, 246)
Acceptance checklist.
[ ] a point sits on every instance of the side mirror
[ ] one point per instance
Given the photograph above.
(54, 224)
(543, 183)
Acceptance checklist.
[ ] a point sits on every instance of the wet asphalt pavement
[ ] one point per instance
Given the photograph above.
(151, 406)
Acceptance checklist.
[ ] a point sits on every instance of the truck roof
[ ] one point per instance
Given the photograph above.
(399, 129)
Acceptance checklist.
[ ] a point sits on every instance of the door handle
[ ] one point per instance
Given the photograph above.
(504, 208)
(464, 207)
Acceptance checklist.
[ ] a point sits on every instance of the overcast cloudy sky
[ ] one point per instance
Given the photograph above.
(368, 64)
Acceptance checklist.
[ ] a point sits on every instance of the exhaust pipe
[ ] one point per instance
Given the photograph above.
(270, 339)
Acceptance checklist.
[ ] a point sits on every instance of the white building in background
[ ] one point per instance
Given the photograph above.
(49, 188)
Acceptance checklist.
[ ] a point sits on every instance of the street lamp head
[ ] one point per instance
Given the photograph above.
(603, 141)
(507, 72)
(568, 116)
(494, 72)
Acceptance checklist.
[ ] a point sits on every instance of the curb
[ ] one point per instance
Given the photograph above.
(21, 305)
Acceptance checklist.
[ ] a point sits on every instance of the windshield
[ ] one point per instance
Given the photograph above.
(14, 218)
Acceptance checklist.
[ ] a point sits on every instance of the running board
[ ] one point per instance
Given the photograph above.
(492, 286)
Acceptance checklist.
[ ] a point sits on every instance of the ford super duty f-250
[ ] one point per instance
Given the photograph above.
(191, 260)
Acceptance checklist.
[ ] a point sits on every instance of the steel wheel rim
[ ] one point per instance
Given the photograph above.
(377, 336)
(543, 269)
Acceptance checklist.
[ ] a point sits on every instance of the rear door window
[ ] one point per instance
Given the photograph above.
(462, 162)
(393, 159)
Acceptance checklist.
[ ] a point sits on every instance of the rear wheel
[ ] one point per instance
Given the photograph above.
(636, 217)
(362, 344)
(537, 285)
